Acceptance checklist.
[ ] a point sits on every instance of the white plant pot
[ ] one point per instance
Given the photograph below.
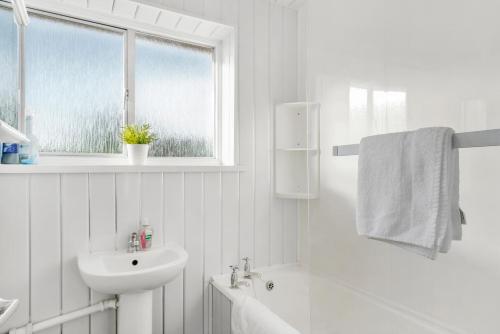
(137, 153)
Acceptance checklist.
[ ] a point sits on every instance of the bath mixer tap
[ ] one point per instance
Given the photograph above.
(234, 276)
(247, 272)
(133, 243)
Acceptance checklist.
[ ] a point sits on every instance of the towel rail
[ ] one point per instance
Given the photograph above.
(460, 140)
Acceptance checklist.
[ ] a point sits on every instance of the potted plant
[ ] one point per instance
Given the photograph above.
(137, 138)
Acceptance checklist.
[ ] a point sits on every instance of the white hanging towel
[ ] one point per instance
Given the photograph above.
(408, 190)
(249, 316)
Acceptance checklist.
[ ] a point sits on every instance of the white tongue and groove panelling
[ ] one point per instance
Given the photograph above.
(48, 219)
(219, 217)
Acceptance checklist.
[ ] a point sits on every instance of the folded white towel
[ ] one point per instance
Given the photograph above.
(408, 190)
(249, 316)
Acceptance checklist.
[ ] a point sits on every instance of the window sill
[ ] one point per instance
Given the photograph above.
(117, 165)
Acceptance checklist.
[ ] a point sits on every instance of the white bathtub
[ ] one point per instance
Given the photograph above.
(289, 298)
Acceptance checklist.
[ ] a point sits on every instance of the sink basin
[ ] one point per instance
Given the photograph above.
(128, 273)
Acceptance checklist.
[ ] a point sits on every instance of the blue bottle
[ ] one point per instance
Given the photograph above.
(10, 154)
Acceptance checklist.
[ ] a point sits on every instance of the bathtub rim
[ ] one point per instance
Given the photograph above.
(222, 281)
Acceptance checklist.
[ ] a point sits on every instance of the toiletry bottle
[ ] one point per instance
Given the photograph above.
(28, 153)
(145, 234)
(10, 153)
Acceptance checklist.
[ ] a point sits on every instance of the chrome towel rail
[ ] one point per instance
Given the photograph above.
(460, 140)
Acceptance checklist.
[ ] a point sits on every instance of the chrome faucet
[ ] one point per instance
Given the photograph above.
(247, 271)
(234, 276)
(133, 243)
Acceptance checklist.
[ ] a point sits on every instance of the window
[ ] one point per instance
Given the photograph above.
(8, 68)
(175, 93)
(74, 85)
(77, 85)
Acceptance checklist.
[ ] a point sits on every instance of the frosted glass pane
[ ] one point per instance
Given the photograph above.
(8, 67)
(74, 85)
(175, 94)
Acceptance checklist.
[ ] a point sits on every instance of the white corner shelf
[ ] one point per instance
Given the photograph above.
(296, 150)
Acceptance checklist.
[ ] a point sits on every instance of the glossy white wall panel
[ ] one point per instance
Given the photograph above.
(434, 53)
(290, 232)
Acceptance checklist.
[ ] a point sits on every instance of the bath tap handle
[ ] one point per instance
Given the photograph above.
(234, 276)
(246, 268)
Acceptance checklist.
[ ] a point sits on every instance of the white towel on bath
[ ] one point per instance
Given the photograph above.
(249, 316)
(408, 190)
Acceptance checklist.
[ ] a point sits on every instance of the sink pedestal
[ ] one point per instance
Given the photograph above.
(135, 313)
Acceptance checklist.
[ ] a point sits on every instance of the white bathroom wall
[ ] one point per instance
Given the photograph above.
(438, 63)
(46, 219)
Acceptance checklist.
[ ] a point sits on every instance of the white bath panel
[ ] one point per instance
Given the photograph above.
(125, 8)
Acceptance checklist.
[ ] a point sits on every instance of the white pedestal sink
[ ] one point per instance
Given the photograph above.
(132, 276)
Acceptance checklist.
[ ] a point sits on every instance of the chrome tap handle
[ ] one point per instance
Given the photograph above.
(246, 266)
(234, 276)
(133, 243)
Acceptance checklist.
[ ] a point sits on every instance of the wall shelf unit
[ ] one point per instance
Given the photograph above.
(296, 150)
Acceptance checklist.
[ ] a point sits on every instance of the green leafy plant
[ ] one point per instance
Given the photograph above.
(138, 134)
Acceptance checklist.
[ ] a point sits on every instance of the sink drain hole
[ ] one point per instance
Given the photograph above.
(135, 262)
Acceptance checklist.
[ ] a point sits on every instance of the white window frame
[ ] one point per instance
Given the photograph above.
(224, 81)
